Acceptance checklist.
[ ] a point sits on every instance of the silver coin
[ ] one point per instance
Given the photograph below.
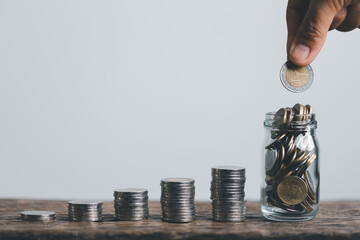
(218, 176)
(228, 168)
(300, 78)
(227, 198)
(99, 210)
(228, 219)
(177, 196)
(227, 195)
(36, 215)
(270, 159)
(84, 209)
(142, 214)
(178, 216)
(174, 220)
(228, 209)
(229, 183)
(122, 202)
(230, 215)
(179, 211)
(178, 208)
(131, 214)
(227, 187)
(177, 181)
(223, 212)
(228, 204)
(174, 204)
(84, 213)
(228, 192)
(174, 198)
(131, 218)
(85, 202)
(85, 219)
(178, 190)
(131, 190)
(130, 201)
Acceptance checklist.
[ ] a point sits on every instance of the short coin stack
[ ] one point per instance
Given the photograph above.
(227, 194)
(177, 200)
(85, 210)
(131, 204)
(37, 215)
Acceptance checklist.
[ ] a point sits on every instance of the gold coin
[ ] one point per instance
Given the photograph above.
(310, 184)
(306, 206)
(297, 77)
(290, 114)
(309, 111)
(292, 190)
(280, 117)
(299, 112)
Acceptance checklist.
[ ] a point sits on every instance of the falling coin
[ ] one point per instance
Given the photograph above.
(296, 79)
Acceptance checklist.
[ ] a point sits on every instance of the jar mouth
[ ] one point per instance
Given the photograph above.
(298, 120)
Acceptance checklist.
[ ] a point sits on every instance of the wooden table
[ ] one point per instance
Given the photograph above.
(336, 220)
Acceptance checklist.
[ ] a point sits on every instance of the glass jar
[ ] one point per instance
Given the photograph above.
(290, 165)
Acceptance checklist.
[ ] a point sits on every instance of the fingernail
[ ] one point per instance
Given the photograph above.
(299, 52)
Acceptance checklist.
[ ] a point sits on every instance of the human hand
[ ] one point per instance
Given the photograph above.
(308, 22)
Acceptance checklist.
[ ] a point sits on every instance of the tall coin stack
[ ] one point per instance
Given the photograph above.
(177, 200)
(131, 204)
(84, 210)
(227, 194)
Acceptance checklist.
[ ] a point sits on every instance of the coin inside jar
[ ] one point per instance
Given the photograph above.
(292, 190)
(270, 159)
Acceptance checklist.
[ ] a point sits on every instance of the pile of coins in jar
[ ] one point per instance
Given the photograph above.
(287, 158)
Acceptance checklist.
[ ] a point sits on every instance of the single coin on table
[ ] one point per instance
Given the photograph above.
(37, 215)
(296, 79)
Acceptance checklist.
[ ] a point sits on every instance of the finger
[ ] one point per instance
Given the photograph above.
(338, 19)
(352, 19)
(295, 12)
(312, 33)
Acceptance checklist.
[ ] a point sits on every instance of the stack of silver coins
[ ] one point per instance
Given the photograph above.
(177, 200)
(85, 210)
(36, 215)
(227, 194)
(131, 204)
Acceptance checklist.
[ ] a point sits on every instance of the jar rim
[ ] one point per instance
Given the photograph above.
(311, 122)
(273, 114)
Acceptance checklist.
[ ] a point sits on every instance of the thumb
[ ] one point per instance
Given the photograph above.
(311, 34)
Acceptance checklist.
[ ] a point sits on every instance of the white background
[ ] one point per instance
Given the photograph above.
(98, 95)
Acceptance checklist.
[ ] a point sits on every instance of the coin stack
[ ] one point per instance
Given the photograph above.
(227, 194)
(131, 204)
(287, 159)
(85, 210)
(37, 215)
(177, 200)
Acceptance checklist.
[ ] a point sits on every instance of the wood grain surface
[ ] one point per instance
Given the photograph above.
(335, 220)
